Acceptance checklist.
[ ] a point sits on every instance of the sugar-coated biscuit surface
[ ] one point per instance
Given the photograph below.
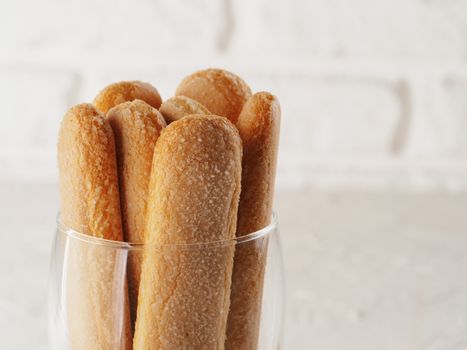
(88, 174)
(221, 92)
(258, 125)
(124, 91)
(194, 192)
(136, 126)
(90, 204)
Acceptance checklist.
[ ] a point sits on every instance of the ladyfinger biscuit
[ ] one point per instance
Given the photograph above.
(136, 126)
(177, 107)
(124, 91)
(193, 199)
(258, 125)
(221, 92)
(90, 204)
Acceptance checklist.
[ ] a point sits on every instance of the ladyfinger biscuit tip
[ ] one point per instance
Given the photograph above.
(221, 92)
(124, 91)
(178, 107)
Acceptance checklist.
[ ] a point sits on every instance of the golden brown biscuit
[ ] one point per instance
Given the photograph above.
(124, 91)
(221, 92)
(136, 126)
(258, 125)
(90, 204)
(177, 107)
(193, 199)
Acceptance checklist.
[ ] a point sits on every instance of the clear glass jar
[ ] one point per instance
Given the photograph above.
(88, 288)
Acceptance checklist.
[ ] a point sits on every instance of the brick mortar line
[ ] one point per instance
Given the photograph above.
(289, 63)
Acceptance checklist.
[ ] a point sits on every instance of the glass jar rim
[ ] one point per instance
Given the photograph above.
(86, 238)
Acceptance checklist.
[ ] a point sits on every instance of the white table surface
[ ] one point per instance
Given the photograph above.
(364, 270)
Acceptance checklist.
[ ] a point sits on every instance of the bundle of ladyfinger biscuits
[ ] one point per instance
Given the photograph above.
(195, 169)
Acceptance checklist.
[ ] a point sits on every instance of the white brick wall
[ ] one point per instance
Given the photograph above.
(374, 93)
